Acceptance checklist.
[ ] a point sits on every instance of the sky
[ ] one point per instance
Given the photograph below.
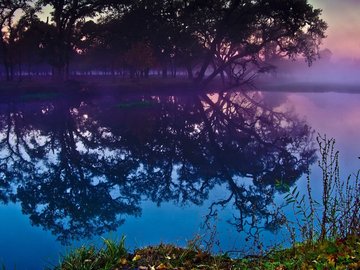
(343, 34)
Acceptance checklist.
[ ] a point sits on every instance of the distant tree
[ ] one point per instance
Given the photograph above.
(30, 45)
(10, 27)
(89, 46)
(140, 58)
(121, 33)
(172, 31)
(175, 36)
(65, 15)
(325, 55)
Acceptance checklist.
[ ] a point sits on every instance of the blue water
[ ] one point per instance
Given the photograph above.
(73, 169)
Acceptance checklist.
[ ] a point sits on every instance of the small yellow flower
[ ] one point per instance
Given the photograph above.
(136, 258)
(331, 260)
(123, 261)
(161, 266)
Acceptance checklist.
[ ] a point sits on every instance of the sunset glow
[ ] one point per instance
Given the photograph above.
(344, 27)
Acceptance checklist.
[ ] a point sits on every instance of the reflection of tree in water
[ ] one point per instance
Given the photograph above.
(64, 186)
(77, 168)
(251, 140)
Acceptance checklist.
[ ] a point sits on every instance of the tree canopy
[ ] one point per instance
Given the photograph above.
(228, 39)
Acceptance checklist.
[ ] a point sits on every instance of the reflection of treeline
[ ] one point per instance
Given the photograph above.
(79, 167)
(204, 39)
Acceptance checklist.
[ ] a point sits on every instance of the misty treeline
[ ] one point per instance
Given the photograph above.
(202, 39)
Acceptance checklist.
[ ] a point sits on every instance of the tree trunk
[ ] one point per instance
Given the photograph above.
(132, 73)
(6, 69)
(11, 66)
(190, 72)
(164, 72)
(58, 73)
(113, 71)
(67, 71)
(20, 70)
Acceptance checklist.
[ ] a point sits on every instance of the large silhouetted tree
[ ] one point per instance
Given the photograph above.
(235, 32)
(227, 37)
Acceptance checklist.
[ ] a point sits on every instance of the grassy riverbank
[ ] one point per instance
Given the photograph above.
(335, 254)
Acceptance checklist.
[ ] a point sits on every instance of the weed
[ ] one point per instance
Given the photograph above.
(340, 201)
(338, 214)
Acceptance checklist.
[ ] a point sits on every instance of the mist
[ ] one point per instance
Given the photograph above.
(325, 70)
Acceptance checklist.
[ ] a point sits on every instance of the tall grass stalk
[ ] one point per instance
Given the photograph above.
(338, 214)
(341, 210)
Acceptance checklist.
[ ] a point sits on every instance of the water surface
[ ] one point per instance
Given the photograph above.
(161, 168)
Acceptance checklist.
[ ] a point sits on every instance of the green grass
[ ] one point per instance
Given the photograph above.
(89, 258)
(336, 254)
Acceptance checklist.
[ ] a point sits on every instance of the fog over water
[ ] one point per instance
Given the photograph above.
(342, 65)
(326, 71)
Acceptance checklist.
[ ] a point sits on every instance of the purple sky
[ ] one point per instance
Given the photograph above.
(343, 18)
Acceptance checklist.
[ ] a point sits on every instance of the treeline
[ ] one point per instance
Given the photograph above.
(205, 39)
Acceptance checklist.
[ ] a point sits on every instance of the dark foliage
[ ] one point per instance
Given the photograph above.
(227, 39)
